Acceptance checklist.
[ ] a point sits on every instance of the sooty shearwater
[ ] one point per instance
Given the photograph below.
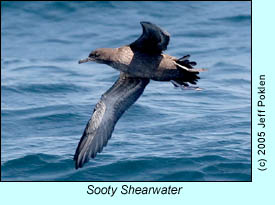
(138, 62)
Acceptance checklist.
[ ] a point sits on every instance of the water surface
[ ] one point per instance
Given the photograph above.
(167, 135)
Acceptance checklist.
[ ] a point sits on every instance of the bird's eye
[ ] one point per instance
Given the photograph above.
(94, 54)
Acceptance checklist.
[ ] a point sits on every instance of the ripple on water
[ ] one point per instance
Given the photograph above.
(168, 134)
(52, 167)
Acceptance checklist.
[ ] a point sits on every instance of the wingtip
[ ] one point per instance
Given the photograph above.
(77, 161)
(145, 22)
(78, 164)
(80, 161)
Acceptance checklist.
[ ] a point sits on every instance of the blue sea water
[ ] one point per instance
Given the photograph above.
(169, 134)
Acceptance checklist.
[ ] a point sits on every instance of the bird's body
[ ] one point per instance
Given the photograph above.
(138, 63)
(159, 67)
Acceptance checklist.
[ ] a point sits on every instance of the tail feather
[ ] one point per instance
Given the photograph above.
(184, 58)
(188, 74)
(192, 63)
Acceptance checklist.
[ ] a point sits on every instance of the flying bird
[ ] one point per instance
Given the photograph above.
(138, 63)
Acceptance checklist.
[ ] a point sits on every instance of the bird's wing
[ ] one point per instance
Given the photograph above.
(153, 40)
(107, 111)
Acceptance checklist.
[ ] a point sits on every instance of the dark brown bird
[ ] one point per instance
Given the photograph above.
(138, 62)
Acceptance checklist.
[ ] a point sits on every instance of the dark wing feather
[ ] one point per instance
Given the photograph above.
(153, 40)
(186, 76)
(107, 112)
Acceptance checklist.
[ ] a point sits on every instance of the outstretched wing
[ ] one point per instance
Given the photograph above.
(153, 40)
(108, 110)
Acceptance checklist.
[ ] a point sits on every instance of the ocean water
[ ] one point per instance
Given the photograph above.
(169, 134)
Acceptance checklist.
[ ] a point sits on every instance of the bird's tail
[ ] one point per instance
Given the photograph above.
(188, 74)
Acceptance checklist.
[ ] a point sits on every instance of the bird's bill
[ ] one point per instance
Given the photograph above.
(85, 60)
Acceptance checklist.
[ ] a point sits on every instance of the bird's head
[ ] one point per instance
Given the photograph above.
(100, 55)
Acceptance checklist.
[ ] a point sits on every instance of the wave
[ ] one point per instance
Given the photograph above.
(168, 134)
(57, 41)
(234, 19)
(202, 34)
(43, 88)
(44, 167)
